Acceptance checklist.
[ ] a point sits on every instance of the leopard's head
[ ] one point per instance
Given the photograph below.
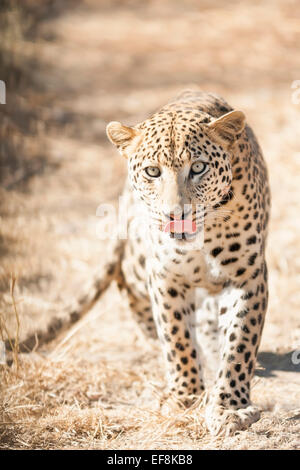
(179, 164)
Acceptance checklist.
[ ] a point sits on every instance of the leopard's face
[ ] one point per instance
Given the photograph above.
(179, 168)
(180, 179)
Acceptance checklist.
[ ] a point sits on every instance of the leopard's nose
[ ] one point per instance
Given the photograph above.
(172, 212)
(176, 212)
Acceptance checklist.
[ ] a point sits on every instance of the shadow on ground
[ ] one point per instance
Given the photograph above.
(277, 362)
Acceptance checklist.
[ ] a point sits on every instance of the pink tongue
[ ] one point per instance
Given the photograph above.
(180, 226)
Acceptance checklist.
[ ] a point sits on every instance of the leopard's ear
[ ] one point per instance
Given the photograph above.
(124, 138)
(226, 128)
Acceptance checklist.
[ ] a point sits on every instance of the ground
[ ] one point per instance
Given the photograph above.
(99, 385)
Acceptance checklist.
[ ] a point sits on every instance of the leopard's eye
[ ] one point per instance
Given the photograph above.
(198, 168)
(152, 171)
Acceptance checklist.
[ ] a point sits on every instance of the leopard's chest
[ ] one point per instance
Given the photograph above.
(193, 267)
(196, 267)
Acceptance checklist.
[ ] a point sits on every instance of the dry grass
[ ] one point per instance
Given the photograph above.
(99, 386)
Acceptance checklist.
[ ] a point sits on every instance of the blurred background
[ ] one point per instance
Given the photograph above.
(72, 66)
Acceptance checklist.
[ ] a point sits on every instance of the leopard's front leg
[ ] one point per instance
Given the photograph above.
(229, 407)
(174, 311)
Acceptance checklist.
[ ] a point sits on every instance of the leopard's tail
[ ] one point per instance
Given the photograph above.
(71, 314)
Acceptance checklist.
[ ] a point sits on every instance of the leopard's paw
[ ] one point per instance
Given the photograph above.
(225, 422)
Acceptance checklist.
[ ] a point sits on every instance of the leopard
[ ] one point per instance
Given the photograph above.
(194, 272)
